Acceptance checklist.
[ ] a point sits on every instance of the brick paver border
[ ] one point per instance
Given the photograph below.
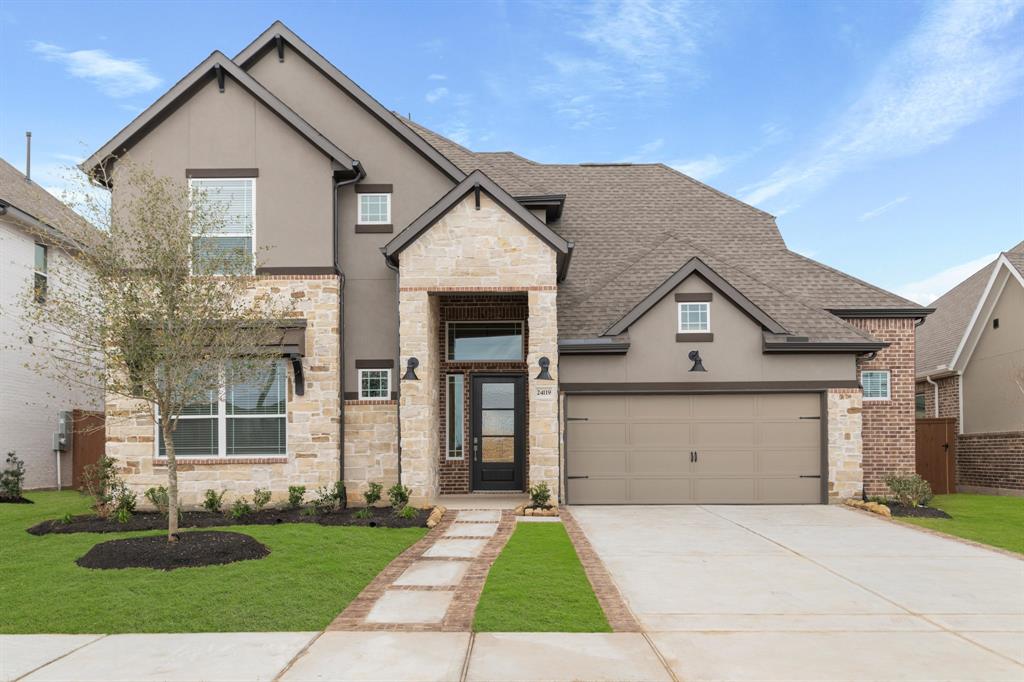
(463, 607)
(620, 618)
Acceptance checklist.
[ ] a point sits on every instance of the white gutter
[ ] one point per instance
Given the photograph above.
(936, 401)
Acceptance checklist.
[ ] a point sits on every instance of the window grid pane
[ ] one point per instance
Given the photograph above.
(374, 384)
(374, 208)
(693, 317)
(876, 384)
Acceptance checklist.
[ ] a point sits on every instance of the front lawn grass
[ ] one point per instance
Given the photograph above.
(311, 574)
(993, 520)
(537, 584)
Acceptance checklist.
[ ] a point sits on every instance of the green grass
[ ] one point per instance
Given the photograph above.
(537, 584)
(311, 574)
(991, 519)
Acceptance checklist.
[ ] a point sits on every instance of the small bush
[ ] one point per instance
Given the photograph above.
(295, 495)
(910, 491)
(363, 513)
(213, 501)
(339, 495)
(123, 501)
(123, 515)
(260, 498)
(240, 509)
(372, 493)
(398, 494)
(12, 478)
(158, 498)
(99, 479)
(66, 519)
(409, 512)
(540, 494)
(325, 500)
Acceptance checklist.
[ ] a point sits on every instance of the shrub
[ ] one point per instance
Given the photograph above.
(409, 512)
(260, 498)
(240, 509)
(540, 494)
(339, 494)
(99, 479)
(363, 513)
(398, 494)
(123, 515)
(213, 501)
(12, 478)
(325, 500)
(158, 498)
(66, 519)
(295, 495)
(910, 491)
(123, 501)
(372, 493)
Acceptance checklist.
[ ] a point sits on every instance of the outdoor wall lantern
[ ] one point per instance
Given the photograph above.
(698, 366)
(410, 370)
(544, 363)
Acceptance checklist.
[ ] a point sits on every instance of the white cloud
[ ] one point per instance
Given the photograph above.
(114, 77)
(704, 168)
(436, 94)
(884, 208)
(437, 77)
(930, 288)
(645, 152)
(960, 62)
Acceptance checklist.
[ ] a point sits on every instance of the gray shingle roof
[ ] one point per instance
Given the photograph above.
(40, 204)
(938, 339)
(618, 214)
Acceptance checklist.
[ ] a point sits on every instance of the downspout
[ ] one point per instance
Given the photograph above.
(935, 407)
(398, 369)
(336, 219)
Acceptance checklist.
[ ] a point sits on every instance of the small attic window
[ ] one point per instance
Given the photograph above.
(694, 318)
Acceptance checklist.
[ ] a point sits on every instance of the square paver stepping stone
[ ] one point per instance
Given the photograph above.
(457, 548)
(410, 606)
(463, 530)
(434, 573)
(479, 515)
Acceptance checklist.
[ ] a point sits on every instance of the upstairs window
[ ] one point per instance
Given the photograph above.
(374, 209)
(232, 201)
(876, 384)
(40, 277)
(375, 384)
(694, 318)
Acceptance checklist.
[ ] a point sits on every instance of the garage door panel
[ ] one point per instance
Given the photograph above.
(588, 434)
(789, 490)
(789, 405)
(724, 490)
(599, 490)
(608, 462)
(656, 407)
(797, 461)
(789, 434)
(599, 406)
(660, 434)
(723, 406)
(660, 490)
(659, 462)
(733, 462)
(724, 434)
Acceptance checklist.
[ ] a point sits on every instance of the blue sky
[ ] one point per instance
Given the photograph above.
(888, 137)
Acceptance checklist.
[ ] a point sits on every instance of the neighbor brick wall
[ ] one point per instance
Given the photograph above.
(991, 460)
(949, 397)
(888, 425)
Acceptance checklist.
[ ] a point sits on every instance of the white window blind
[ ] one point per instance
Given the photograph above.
(232, 202)
(876, 384)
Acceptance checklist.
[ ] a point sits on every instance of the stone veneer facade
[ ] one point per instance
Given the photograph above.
(845, 443)
(371, 446)
(470, 250)
(312, 421)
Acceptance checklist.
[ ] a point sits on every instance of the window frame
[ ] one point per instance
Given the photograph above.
(453, 323)
(888, 384)
(387, 391)
(360, 219)
(39, 293)
(252, 218)
(920, 405)
(448, 417)
(679, 317)
(221, 417)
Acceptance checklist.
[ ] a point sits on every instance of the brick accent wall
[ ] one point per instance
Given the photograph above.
(991, 460)
(454, 474)
(888, 425)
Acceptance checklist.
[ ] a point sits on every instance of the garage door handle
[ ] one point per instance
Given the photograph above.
(572, 477)
(577, 419)
(809, 476)
(810, 417)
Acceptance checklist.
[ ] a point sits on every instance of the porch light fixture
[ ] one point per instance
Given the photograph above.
(544, 363)
(698, 366)
(410, 370)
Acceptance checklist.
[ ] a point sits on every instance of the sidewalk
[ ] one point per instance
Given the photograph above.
(332, 655)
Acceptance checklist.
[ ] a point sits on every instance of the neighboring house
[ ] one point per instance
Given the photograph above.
(484, 322)
(970, 367)
(36, 236)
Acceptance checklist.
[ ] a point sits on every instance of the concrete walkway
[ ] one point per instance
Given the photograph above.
(811, 593)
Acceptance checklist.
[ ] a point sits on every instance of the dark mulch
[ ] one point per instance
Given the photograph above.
(15, 500)
(202, 548)
(898, 509)
(90, 523)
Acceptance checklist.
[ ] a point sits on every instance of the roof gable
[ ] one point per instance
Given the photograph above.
(1002, 273)
(216, 66)
(278, 33)
(478, 181)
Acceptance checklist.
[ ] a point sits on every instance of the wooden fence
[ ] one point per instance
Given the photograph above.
(936, 453)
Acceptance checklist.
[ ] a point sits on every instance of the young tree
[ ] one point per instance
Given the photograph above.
(162, 311)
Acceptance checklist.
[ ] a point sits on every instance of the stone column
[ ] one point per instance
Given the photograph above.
(543, 394)
(418, 400)
(845, 444)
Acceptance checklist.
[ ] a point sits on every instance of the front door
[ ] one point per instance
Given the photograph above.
(498, 441)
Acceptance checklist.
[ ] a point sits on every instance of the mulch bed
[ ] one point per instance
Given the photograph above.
(918, 512)
(90, 523)
(202, 548)
(15, 500)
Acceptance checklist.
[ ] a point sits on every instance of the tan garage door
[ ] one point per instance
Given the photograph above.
(699, 449)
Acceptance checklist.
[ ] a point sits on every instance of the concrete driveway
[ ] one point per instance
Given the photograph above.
(811, 593)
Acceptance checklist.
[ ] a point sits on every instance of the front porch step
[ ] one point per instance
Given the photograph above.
(482, 500)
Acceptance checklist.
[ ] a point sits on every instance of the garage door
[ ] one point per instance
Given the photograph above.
(700, 449)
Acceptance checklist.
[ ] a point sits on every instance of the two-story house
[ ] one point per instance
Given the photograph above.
(480, 321)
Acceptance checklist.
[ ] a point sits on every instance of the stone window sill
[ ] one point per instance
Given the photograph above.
(162, 461)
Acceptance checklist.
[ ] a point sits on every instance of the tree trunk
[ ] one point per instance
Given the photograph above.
(172, 481)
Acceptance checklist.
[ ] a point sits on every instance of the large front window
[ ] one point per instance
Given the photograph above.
(485, 341)
(231, 240)
(241, 419)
